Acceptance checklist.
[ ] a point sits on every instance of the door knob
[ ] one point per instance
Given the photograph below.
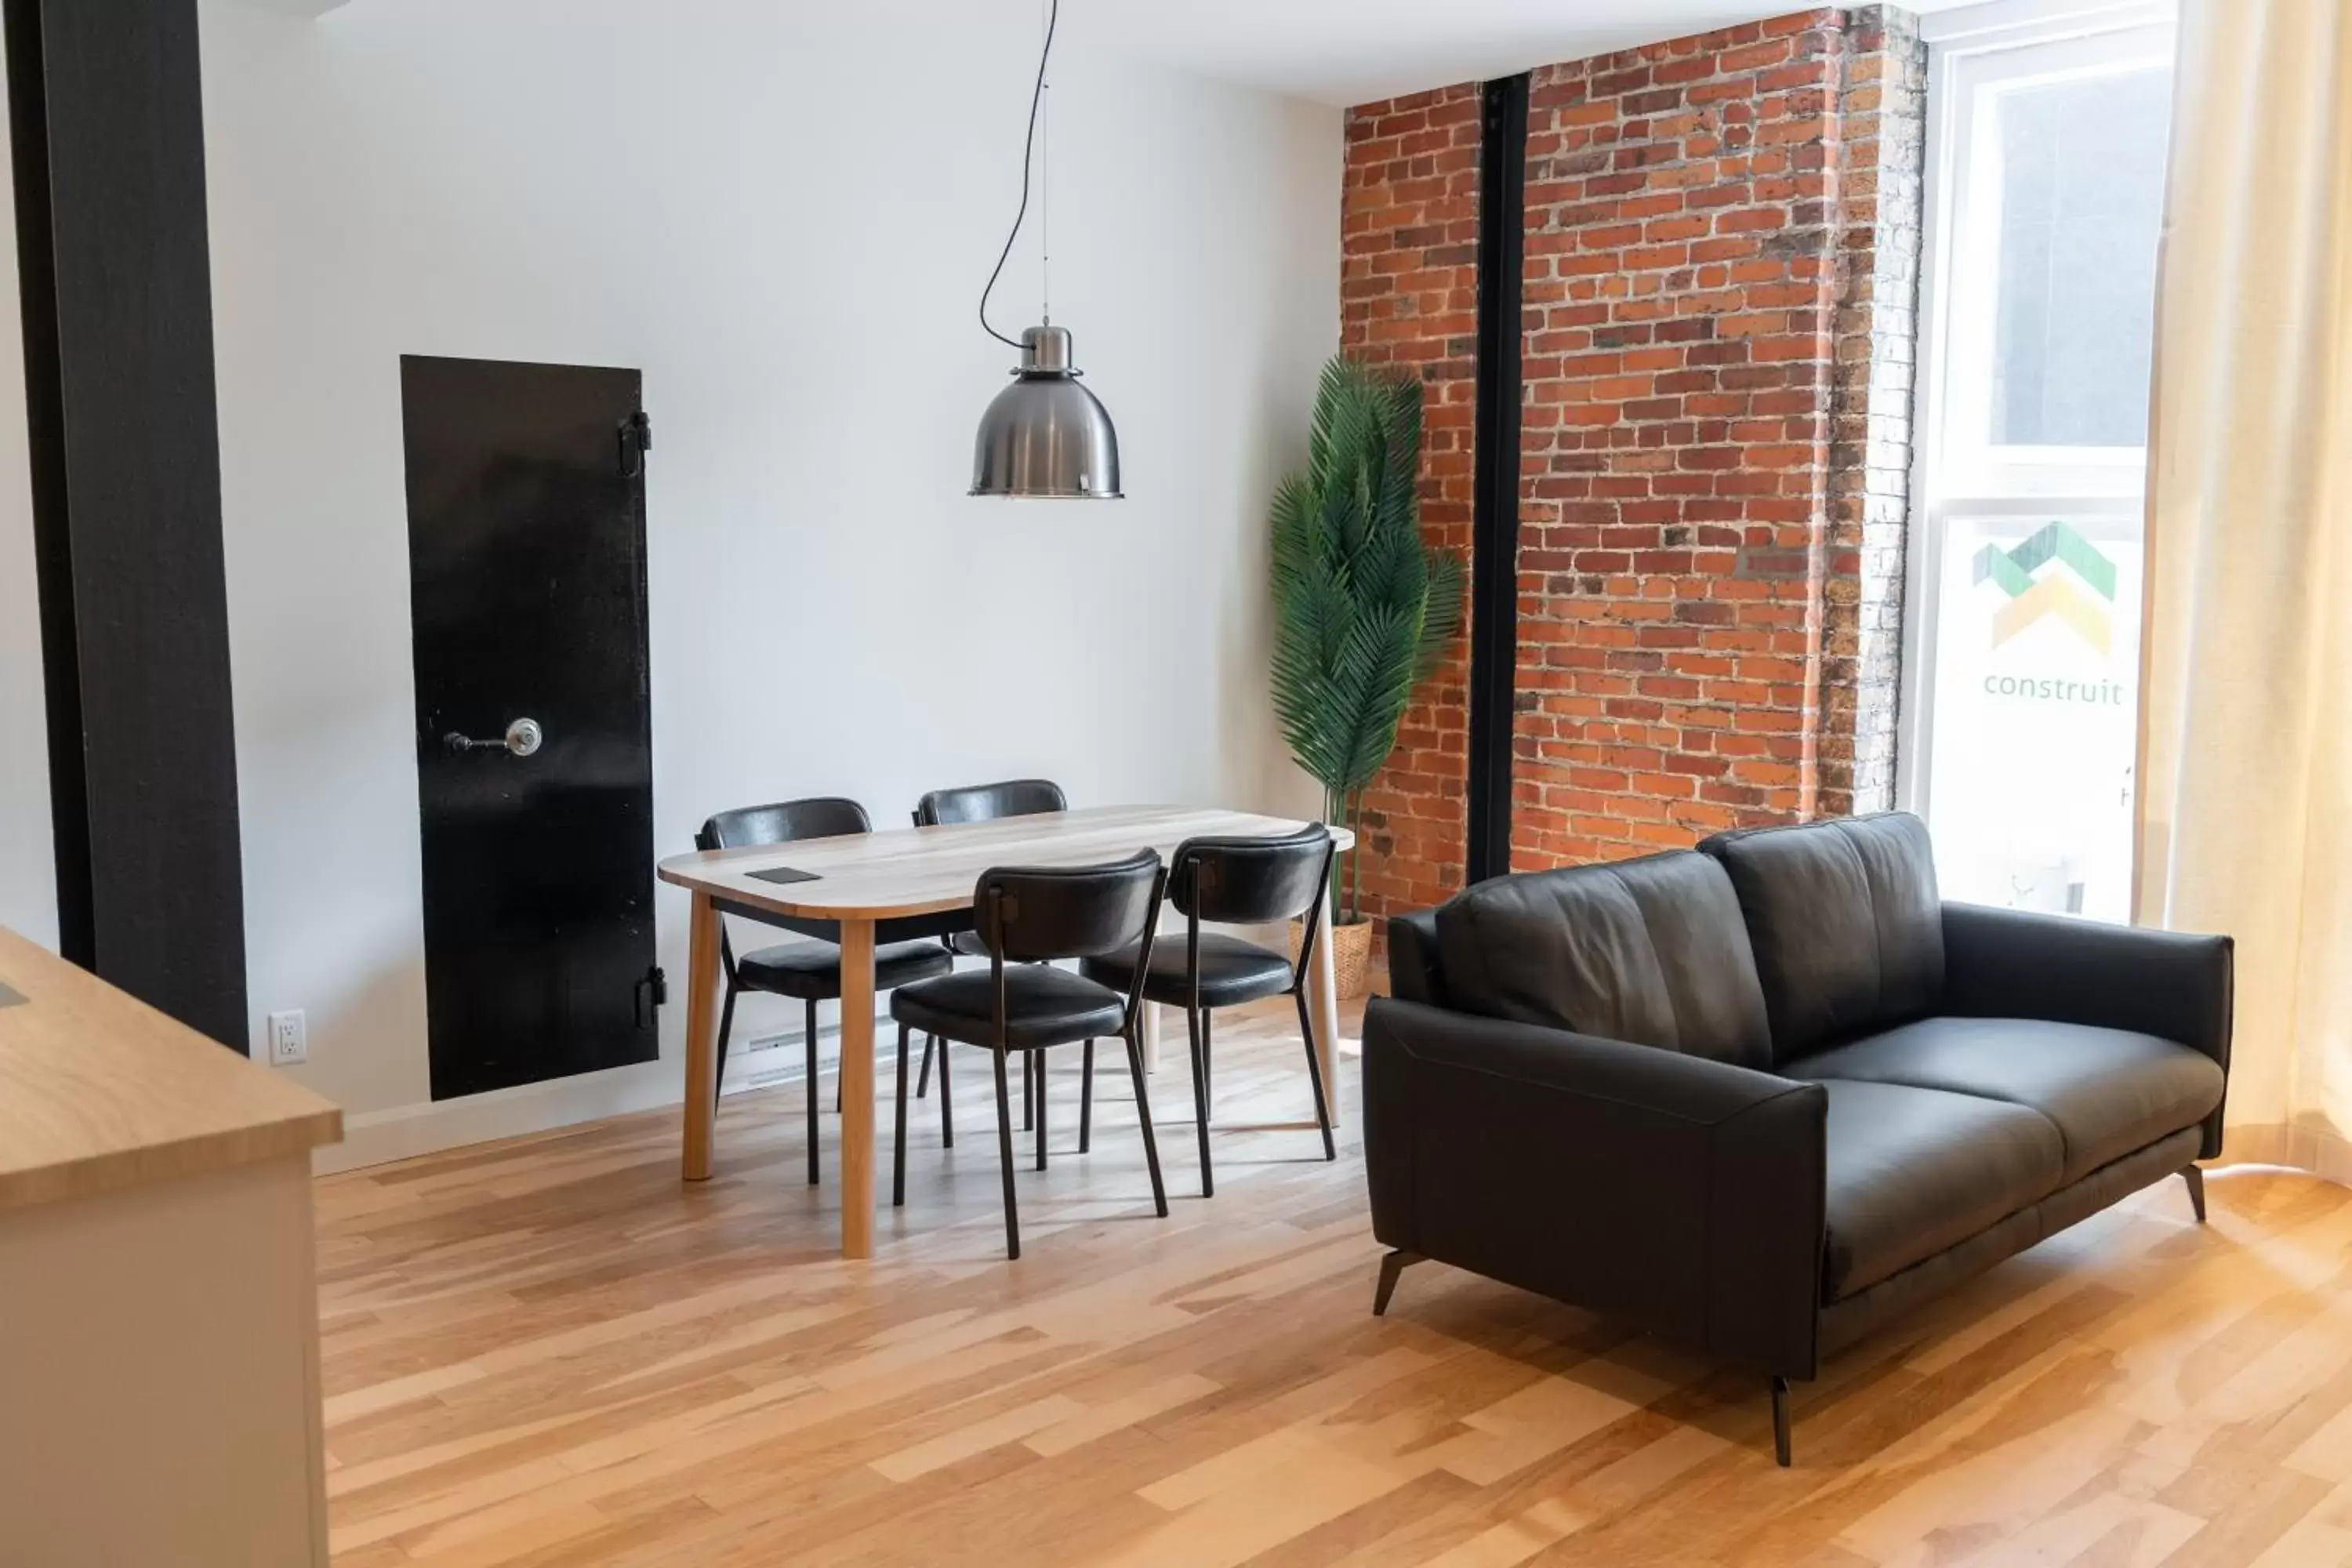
(522, 738)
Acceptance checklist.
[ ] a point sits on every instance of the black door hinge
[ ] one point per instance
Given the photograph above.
(637, 440)
(652, 985)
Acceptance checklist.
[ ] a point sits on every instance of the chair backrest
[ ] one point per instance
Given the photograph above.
(820, 817)
(986, 802)
(1031, 914)
(1251, 881)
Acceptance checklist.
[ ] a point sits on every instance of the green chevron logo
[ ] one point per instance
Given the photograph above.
(2034, 595)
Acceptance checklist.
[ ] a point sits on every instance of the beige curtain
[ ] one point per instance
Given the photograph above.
(2245, 763)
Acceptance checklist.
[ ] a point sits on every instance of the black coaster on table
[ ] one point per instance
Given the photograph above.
(783, 874)
(10, 999)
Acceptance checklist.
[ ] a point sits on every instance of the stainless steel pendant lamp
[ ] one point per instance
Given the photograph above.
(1044, 437)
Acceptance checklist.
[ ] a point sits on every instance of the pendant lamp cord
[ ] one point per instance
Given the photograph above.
(1045, 204)
(1028, 155)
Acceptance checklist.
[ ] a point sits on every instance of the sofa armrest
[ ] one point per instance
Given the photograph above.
(2008, 964)
(1684, 1194)
(1413, 972)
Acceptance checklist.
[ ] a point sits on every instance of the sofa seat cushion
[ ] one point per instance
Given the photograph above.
(2107, 1091)
(1914, 1171)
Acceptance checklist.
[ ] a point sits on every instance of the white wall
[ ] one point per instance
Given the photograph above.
(28, 884)
(782, 214)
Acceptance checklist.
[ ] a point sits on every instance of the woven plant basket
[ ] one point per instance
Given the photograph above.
(1351, 955)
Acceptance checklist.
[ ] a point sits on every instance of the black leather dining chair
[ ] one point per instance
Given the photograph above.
(988, 802)
(1230, 881)
(1027, 917)
(809, 971)
(984, 802)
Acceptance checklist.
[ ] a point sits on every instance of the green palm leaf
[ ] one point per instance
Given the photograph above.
(1364, 608)
(1444, 620)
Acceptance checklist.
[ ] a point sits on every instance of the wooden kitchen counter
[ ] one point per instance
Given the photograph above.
(159, 1372)
(99, 1091)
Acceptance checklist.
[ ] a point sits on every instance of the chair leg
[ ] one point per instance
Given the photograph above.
(1780, 1419)
(2196, 1180)
(1040, 1059)
(1086, 1101)
(1195, 1028)
(1394, 1264)
(1005, 1156)
(923, 1079)
(726, 1028)
(1208, 1061)
(838, 1066)
(1143, 1115)
(1028, 1092)
(1314, 1076)
(947, 1095)
(899, 1151)
(808, 1064)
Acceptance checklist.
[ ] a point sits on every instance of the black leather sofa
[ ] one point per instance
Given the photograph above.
(1763, 1096)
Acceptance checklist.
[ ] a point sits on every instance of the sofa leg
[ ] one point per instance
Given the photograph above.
(2196, 1180)
(1780, 1420)
(1394, 1264)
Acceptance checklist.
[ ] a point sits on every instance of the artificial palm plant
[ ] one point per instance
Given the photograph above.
(1364, 608)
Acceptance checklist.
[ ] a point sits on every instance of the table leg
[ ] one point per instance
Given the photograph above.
(1323, 1006)
(1151, 1021)
(857, 1088)
(701, 1036)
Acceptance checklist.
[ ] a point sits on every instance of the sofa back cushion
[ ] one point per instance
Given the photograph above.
(1846, 922)
(1650, 950)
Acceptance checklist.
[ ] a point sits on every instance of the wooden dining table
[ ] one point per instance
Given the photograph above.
(867, 888)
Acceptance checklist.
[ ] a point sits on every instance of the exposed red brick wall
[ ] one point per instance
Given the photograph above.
(1690, 601)
(1680, 289)
(1722, 241)
(1408, 297)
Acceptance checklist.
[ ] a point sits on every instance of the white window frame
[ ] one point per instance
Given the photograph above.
(2101, 489)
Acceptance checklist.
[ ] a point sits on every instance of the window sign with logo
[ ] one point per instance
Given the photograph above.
(2036, 678)
(2046, 159)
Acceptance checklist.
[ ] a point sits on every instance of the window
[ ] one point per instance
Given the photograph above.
(2080, 189)
(2046, 161)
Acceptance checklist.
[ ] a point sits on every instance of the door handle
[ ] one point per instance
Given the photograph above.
(522, 738)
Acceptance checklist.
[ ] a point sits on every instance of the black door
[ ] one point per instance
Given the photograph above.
(527, 583)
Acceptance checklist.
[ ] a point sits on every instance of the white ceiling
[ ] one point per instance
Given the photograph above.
(1354, 51)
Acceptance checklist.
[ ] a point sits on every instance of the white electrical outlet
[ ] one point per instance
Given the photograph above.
(288, 1038)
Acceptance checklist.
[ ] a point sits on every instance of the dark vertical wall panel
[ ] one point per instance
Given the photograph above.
(1494, 496)
(52, 547)
(106, 113)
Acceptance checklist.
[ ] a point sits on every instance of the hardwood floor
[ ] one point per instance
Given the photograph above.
(549, 1351)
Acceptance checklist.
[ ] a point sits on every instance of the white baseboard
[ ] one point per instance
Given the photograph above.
(405, 1131)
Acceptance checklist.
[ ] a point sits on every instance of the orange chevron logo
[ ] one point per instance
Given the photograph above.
(2055, 597)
